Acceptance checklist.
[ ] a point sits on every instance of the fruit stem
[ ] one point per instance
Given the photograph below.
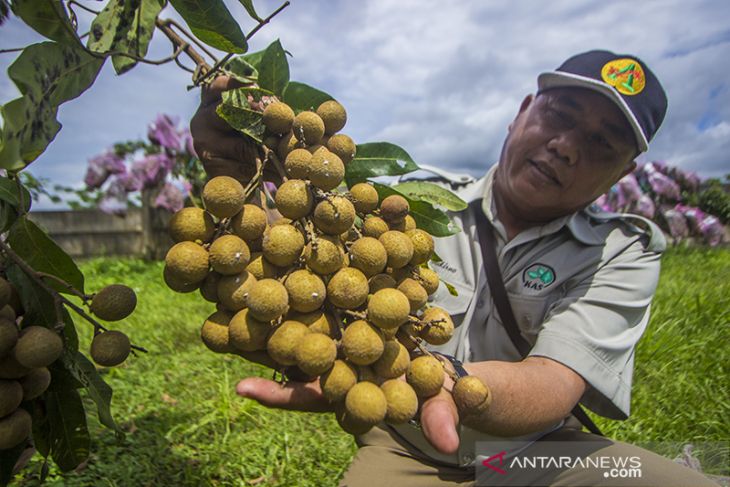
(361, 315)
(68, 286)
(443, 361)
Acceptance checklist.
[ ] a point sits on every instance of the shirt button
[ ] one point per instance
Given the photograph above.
(467, 458)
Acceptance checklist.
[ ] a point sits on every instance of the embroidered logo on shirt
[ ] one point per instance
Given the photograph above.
(538, 276)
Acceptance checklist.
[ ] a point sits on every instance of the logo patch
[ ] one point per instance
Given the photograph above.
(625, 75)
(538, 276)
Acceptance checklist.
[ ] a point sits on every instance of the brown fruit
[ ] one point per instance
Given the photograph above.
(415, 293)
(293, 199)
(393, 362)
(388, 308)
(422, 246)
(442, 328)
(471, 395)
(348, 423)
(14, 429)
(5, 292)
(214, 332)
(37, 347)
(381, 281)
(35, 383)
(287, 144)
(348, 288)
(11, 369)
(317, 322)
(8, 335)
(233, 290)
(306, 291)
(368, 255)
(187, 262)
(326, 170)
(325, 256)
(374, 226)
(282, 342)
(11, 395)
(249, 223)
(282, 245)
(260, 267)
(209, 287)
(308, 127)
(229, 255)
(394, 208)
(223, 196)
(315, 354)
(402, 401)
(191, 224)
(337, 381)
(110, 348)
(399, 248)
(267, 300)
(362, 343)
(343, 146)
(365, 197)
(278, 118)
(334, 215)
(113, 303)
(428, 279)
(366, 403)
(246, 333)
(177, 284)
(426, 376)
(333, 115)
(297, 163)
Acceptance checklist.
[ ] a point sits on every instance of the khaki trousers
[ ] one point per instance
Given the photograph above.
(384, 459)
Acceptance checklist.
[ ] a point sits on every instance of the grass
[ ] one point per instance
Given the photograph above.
(185, 425)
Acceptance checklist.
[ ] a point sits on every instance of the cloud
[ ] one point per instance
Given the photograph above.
(441, 79)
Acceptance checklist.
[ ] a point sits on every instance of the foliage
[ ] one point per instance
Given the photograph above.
(669, 196)
(184, 423)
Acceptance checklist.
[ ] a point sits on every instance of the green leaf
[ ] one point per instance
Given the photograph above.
(428, 218)
(124, 26)
(212, 23)
(43, 254)
(235, 109)
(13, 193)
(378, 159)
(47, 17)
(248, 5)
(37, 302)
(451, 288)
(8, 215)
(47, 74)
(85, 372)
(435, 258)
(432, 193)
(68, 435)
(241, 69)
(302, 97)
(274, 69)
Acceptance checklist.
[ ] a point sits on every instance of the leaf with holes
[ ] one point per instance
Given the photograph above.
(126, 27)
(235, 109)
(47, 74)
(47, 17)
(432, 193)
(428, 218)
(212, 23)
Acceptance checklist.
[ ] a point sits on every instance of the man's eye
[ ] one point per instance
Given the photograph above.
(601, 140)
(558, 117)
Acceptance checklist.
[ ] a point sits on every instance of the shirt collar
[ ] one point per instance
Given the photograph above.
(578, 223)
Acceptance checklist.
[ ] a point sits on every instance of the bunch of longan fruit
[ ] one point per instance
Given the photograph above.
(27, 350)
(334, 288)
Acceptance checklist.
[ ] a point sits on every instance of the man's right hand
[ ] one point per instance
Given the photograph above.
(222, 150)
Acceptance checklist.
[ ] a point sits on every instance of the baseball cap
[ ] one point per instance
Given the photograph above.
(624, 79)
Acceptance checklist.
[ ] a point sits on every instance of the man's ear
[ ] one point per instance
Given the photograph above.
(523, 106)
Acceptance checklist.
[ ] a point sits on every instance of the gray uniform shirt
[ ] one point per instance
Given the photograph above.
(580, 288)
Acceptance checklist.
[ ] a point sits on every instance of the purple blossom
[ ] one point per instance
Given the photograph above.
(188, 143)
(603, 203)
(661, 184)
(712, 230)
(163, 132)
(645, 207)
(95, 176)
(676, 222)
(129, 182)
(153, 169)
(101, 166)
(114, 200)
(630, 189)
(170, 197)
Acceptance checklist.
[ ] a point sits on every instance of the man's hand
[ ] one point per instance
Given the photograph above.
(297, 396)
(222, 150)
(439, 420)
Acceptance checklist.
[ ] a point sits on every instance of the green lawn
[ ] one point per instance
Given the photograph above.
(186, 426)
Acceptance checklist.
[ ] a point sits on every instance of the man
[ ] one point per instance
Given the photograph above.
(579, 284)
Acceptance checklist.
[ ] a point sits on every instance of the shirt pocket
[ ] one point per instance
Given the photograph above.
(454, 305)
(529, 312)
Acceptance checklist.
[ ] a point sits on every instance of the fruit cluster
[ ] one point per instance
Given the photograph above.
(27, 351)
(336, 287)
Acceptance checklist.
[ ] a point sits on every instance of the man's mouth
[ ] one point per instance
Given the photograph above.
(545, 170)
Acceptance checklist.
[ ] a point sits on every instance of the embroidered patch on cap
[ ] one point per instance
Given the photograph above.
(625, 75)
(538, 276)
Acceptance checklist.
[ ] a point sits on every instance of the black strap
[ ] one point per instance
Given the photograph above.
(501, 300)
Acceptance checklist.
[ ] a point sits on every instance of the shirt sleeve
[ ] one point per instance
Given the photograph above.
(594, 328)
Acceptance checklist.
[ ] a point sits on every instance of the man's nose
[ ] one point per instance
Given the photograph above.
(564, 147)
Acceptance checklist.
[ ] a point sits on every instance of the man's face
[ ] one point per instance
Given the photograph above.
(566, 147)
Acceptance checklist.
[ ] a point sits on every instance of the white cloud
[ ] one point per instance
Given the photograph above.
(442, 79)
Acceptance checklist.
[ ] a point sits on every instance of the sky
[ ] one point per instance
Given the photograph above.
(441, 78)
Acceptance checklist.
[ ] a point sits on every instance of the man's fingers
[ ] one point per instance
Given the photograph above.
(299, 396)
(439, 419)
(212, 92)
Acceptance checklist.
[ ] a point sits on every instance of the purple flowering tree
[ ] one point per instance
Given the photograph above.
(668, 196)
(163, 169)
